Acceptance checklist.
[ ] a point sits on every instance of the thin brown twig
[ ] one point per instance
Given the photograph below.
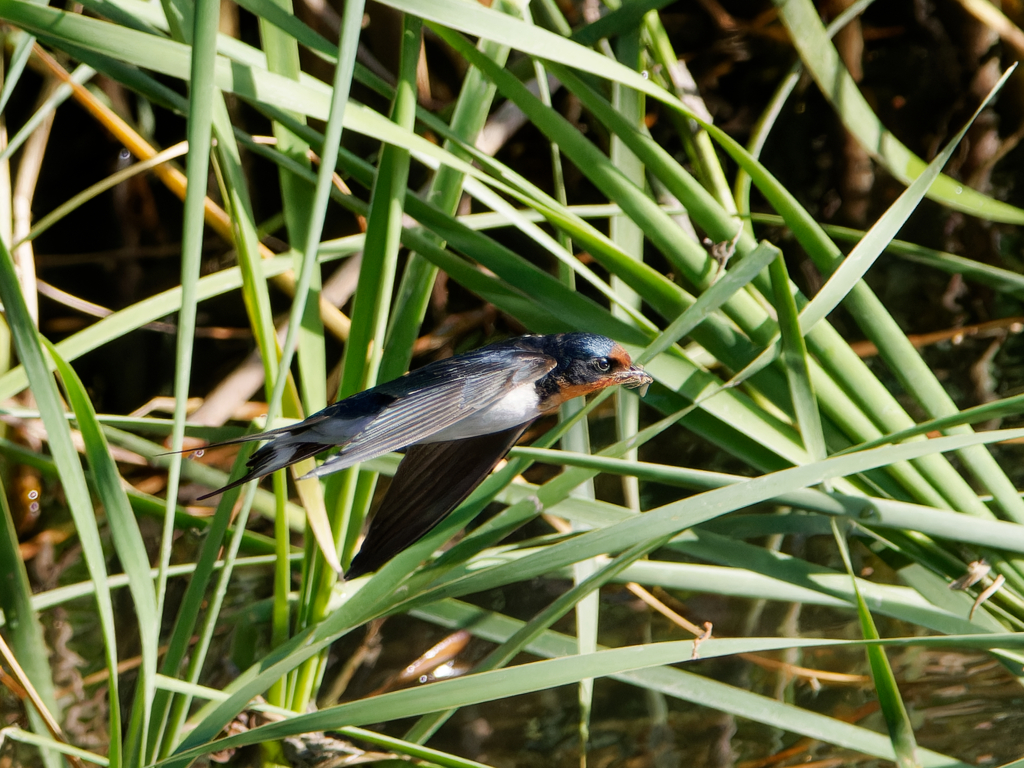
(956, 335)
(763, 662)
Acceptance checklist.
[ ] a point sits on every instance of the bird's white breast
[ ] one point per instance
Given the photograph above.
(517, 407)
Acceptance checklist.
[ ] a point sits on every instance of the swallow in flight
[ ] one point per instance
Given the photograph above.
(458, 418)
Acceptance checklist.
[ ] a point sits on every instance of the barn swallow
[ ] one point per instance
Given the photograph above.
(458, 418)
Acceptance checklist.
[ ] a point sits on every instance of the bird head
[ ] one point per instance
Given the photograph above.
(588, 362)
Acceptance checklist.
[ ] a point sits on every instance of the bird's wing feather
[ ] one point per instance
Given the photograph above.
(395, 414)
(447, 396)
(431, 481)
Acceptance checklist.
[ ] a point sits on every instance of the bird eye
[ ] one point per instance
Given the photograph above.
(603, 364)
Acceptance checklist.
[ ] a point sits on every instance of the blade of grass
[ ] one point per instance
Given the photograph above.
(182, 704)
(860, 259)
(301, 317)
(139, 314)
(81, 75)
(308, 211)
(128, 543)
(797, 364)
(201, 97)
(910, 605)
(72, 477)
(142, 503)
(997, 409)
(168, 711)
(488, 686)
(696, 140)
(901, 732)
(51, 746)
(257, 300)
(15, 67)
(70, 592)
(431, 756)
(624, 231)
(868, 510)
(303, 208)
(351, 23)
(201, 29)
(179, 643)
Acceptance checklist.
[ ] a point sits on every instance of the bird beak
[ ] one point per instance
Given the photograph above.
(635, 377)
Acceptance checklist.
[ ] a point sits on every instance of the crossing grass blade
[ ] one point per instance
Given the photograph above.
(30, 351)
(893, 709)
(128, 543)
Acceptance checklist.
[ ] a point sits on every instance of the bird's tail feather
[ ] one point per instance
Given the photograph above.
(268, 435)
(273, 456)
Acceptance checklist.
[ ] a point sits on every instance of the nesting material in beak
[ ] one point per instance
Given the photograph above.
(637, 378)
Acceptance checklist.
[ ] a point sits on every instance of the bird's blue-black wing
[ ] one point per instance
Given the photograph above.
(432, 480)
(436, 397)
(397, 413)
